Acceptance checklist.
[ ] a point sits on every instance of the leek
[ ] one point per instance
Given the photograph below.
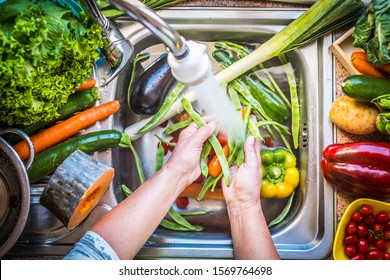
(321, 18)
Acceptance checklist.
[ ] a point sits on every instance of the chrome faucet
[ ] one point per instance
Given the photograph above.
(118, 50)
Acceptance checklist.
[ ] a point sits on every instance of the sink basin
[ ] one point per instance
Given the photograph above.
(308, 230)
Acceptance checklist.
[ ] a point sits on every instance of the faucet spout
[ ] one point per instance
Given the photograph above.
(147, 17)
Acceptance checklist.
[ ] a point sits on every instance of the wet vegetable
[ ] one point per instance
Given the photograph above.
(360, 168)
(383, 122)
(151, 87)
(280, 174)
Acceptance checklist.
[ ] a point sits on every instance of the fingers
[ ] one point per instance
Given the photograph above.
(252, 151)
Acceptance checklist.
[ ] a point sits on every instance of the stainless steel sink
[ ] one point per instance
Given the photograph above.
(308, 230)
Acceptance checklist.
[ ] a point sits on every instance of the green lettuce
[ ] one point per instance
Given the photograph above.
(46, 53)
(372, 32)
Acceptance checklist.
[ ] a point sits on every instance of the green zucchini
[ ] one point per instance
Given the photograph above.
(76, 102)
(365, 88)
(272, 104)
(47, 161)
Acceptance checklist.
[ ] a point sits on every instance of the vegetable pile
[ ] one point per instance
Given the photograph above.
(367, 235)
(372, 32)
(46, 53)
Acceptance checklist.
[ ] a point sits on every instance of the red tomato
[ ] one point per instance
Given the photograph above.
(350, 250)
(386, 256)
(182, 202)
(165, 147)
(358, 256)
(362, 230)
(381, 244)
(362, 245)
(374, 254)
(386, 235)
(381, 217)
(200, 179)
(366, 210)
(386, 226)
(371, 237)
(173, 140)
(377, 228)
(351, 227)
(222, 139)
(369, 220)
(357, 217)
(350, 239)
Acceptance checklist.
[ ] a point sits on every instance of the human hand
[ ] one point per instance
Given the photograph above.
(246, 180)
(185, 158)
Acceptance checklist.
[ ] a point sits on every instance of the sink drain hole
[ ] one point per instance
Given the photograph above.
(304, 135)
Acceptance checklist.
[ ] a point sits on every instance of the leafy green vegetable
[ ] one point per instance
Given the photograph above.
(46, 53)
(372, 32)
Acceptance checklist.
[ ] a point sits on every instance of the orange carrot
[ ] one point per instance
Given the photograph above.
(61, 131)
(363, 65)
(194, 189)
(384, 67)
(91, 82)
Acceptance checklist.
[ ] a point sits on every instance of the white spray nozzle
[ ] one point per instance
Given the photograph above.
(194, 67)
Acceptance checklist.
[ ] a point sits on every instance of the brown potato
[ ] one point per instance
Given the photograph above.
(353, 116)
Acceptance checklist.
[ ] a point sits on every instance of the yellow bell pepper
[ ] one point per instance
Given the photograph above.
(280, 174)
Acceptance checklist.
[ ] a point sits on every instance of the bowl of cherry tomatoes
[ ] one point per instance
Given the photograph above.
(363, 232)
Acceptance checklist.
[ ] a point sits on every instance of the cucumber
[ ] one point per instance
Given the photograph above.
(47, 161)
(76, 102)
(272, 104)
(365, 88)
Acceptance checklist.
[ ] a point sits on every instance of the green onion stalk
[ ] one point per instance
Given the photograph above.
(321, 18)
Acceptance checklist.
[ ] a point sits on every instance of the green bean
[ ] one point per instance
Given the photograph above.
(203, 159)
(234, 98)
(254, 130)
(212, 139)
(295, 119)
(169, 100)
(177, 227)
(195, 213)
(138, 58)
(177, 126)
(165, 141)
(206, 186)
(283, 129)
(179, 219)
(138, 163)
(159, 158)
(284, 213)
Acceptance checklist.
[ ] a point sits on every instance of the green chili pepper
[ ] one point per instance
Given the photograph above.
(280, 174)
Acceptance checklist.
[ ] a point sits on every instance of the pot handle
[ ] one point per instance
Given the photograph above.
(27, 139)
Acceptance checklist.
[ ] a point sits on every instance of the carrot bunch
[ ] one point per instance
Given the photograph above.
(63, 130)
(360, 61)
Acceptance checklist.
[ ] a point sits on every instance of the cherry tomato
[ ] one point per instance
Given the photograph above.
(222, 139)
(358, 256)
(163, 124)
(366, 210)
(362, 245)
(386, 235)
(371, 237)
(381, 244)
(200, 179)
(182, 202)
(369, 220)
(381, 217)
(350, 250)
(357, 217)
(377, 228)
(386, 256)
(350, 239)
(362, 230)
(374, 254)
(386, 226)
(351, 227)
(174, 141)
(165, 147)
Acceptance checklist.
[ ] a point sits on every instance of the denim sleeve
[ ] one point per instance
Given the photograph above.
(91, 247)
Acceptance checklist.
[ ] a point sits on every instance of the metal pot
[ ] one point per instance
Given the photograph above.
(14, 191)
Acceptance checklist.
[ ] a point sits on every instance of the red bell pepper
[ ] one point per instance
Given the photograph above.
(360, 168)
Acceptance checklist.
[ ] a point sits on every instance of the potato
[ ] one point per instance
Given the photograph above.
(353, 116)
